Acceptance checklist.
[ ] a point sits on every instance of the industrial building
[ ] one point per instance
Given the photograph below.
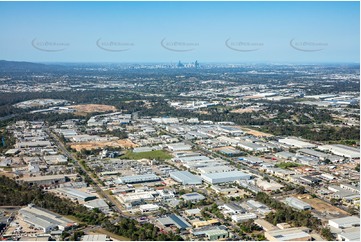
(44, 219)
(222, 177)
(148, 208)
(138, 179)
(47, 180)
(99, 204)
(200, 224)
(342, 150)
(32, 144)
(174, 220)
(186, 178)
(297, 203)
(76, 194)
(232, 208)
(179, 147)
(350, 234)
(95, 237)
(136, 197)
(249, 146)
(193, 197)
(345, 222)
(240, 218)
(290, 234)
(216, 234)
(296, 143)
(215, 169)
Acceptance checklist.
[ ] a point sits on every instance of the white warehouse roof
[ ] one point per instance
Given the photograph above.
(222, 177)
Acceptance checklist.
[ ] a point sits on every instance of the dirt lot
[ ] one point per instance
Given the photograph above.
(256, 133)
(123, 143)
(92, 108)
(243, 110)
(322, 206)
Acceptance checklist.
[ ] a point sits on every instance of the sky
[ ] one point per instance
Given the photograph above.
(227, 32)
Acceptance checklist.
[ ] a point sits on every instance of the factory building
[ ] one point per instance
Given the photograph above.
(345, 222)
(193, 197)
(174, 220)
(47, 180)
(148, 208)
(44, 219)
(342, 150)
(223, 177)
(215, 169)
(138, 179)
(240, 218)
(186, 178)
(290, 234)
(297, 203)
(76, 194)
(296, 143)
(179, 147)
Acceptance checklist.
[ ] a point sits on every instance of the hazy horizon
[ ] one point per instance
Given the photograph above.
(217, 32)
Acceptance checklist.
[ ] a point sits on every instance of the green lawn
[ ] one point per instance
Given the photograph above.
(156, 154)
(285, 165)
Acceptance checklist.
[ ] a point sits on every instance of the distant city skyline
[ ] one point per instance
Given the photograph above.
(166, 32)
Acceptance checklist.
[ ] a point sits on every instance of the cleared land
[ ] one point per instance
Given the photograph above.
(92, 108)
(256, 133)
(156, 154)
(322, 206)
(122, 143)
(243, 110)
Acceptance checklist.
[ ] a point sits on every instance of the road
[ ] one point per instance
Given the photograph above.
(111, 200)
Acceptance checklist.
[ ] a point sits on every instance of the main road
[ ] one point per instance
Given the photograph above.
(114, 204)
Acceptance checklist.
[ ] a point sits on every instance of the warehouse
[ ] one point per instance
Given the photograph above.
(136, 197)
(350, 234)
(148, 208)
(291, 234)
(193, 197)
(296, 143)
(179, 147)
(174, 220)
(33, 144)
(47, 180)
(186, 178)
(215, 169)
(345, 222)
(95, 237)
(76, 194)
(251, 146)
(44, 219)
(138, 179)
(298, 204)
(99, 204)
(342, 150)
(232, 208)
(240, 218)
(230, 151)
(230, 130)
(200, 224)
(55, 159)
(216, 234)
(222, 177)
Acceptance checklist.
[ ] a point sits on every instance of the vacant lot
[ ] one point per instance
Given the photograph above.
(92, 108)
(156, 154)
(243, 110)
(256, 133)
(322, 206)
(122, 143)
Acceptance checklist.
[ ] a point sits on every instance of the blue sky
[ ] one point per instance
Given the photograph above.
(278, 32)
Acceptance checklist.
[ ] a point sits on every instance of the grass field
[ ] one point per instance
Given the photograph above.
(285, 165)
(156, 154)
